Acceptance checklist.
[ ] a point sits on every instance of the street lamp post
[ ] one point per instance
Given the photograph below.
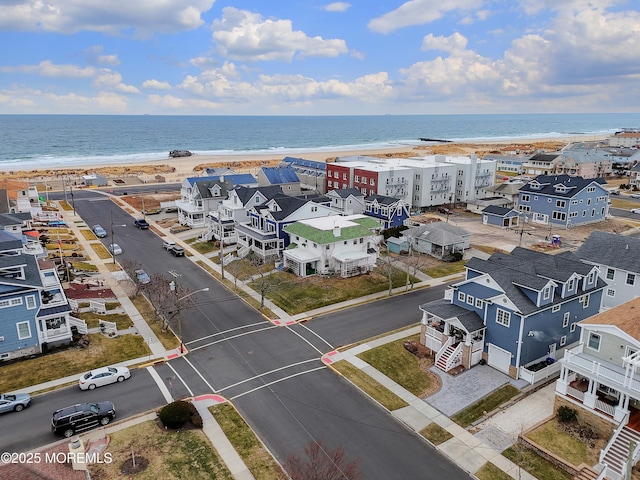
(113, 253)
(173, 286)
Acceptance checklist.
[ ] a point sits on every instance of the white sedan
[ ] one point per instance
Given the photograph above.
(635, 210)
(115, 249)
(103, 376)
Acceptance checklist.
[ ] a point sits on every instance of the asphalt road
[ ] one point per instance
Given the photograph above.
(273, 375)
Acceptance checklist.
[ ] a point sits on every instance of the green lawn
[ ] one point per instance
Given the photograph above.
(492, 401)
(435, 434)
(442, 269)
(122, 320)
(367, 384)
(244, 441)
(100, 352)
(398, 364)
(296, 295)
(550, 436)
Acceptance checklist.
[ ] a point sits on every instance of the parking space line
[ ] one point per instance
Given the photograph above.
(181, 379)
(163, 388)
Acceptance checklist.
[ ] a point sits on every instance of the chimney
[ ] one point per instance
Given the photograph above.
(336, 231)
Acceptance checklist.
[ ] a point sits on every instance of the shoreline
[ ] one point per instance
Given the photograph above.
(194, 164)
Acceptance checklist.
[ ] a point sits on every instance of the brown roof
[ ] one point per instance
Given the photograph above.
(626, 317)
(13, 187)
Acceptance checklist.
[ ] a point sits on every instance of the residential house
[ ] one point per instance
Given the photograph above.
(634, 173)
(284, 176)
(22, 196)
(94, 180)
(312, 174)
(514, 311)
(438, 239)
(221, 223)
(541, 164)
(508, 163)
(584, 160)
(340, 245)
(508, 190)
(500, 217)
(599, 377)
(201, 195)
(263, 233)
(349, 201)
(564, 201)
(389, 211)
(625, 138)
(34, 311)
(618, 260)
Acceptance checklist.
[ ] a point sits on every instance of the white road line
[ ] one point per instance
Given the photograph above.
(200, 375)
(310, 344)
(232, 337)
(180, 378)
(163, 388)
(268, 373)
(226, 331)
(311, 331)
(276, 381)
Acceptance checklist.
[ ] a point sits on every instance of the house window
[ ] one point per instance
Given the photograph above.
(573, 327)
(590, 278)
(585, 301)
(31, 302)
(525, 198)
(563, 340)
(546, 293)
(329, 183)
(470, 299)
(570, 285)
(344, 176)
(611, 273)
(357, 178)
(503, 317)
(594, 341)
(461, 296)
(559, 215)
(565, 319)
(24, 330)
(555, 308)
(479, 303)
(631, 279)
(561, 203)
(611, 292)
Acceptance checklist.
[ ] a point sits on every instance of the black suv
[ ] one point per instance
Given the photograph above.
(141, 223)
(81, 417)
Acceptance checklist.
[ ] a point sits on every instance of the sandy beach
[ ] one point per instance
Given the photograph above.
(179, 168)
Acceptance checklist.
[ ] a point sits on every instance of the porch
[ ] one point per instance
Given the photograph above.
(265, 245)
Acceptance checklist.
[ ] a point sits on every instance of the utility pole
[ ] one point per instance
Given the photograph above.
(73, 205)
(173, 286)
(221, 253)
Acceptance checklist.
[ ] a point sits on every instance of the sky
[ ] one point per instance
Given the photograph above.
(312, 57)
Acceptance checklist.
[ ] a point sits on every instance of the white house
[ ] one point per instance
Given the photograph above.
(341, 245)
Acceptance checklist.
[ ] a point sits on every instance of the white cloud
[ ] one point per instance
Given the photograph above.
(419, 12)
(94, 55)
(452, 43)
(42, 101)
(337, 7)
(247, 36)
(46, 68)
(111, 17)
(156, 85)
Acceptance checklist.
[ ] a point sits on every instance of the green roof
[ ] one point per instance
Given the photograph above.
(362, 229)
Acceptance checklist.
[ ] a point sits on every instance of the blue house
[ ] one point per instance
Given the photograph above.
(500, 216)
(34, 311)
(284, 176)
(390, 211)
(564, 201)
(517, 312)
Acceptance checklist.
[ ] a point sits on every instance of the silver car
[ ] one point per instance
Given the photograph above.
(99, 231)
(15, 402)
(103, 376)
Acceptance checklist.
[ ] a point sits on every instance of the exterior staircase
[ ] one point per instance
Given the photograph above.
(616, 455)
(587, 473)
(443, 361)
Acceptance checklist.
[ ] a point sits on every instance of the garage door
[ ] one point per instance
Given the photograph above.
(499, 358)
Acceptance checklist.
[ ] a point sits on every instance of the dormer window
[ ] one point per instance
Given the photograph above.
(561, 189)
(546, 293)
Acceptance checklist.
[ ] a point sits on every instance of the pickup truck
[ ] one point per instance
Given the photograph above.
(141, 223)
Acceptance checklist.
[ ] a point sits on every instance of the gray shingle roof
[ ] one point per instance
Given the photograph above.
(613, 250)
(446, 310)
(549, 182)
(246, 193)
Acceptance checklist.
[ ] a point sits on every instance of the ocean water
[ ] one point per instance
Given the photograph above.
(37, 141)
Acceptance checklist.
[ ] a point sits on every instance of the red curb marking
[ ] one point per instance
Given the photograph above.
(172, 356)
(216, 398)
(327, 360)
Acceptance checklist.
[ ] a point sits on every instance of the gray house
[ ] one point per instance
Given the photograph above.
(618, 260)
(438, 239)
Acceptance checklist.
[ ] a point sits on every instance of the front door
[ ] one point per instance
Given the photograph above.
(552, 351)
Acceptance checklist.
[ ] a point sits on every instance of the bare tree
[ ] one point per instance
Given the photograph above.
(385, 263)
(263, 281)
(322, 463)
(130, 266)
(235, 268)
(167, 303)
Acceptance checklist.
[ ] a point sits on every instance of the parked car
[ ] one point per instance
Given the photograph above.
(141, 223)
(57, 223)
(614, 192)
(167, 244)
(83, 416)
(142, 277)
(635, 195)
(15, 402)
(444, 210)
(635, 210)
(103, 376)
(99, 231)
(115, 249)
(177, 251)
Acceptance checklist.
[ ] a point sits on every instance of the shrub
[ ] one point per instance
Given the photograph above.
(176, 414)
(567, 414)
(196, 420)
